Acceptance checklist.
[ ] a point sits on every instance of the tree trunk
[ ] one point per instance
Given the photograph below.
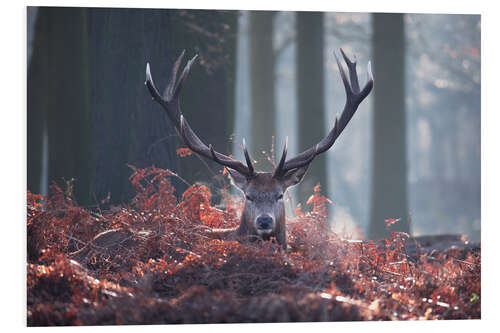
(262, 85)
(86, 82)
(36, 100)
(58, 100)
(127, 123)
(310, 96)
(389, 177)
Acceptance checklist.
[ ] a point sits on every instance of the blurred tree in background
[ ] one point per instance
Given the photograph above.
(311, 96)
(262, 84)
(444, 122)
(389, 166)
(86, 91)
(59, 101)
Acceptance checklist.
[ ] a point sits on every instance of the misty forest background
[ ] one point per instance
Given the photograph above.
(412, 151)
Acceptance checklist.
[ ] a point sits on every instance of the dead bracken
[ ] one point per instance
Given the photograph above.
(151, 262)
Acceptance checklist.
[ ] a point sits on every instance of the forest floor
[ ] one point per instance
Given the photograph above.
(150, 262)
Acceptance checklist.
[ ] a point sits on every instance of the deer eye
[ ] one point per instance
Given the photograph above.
(279, 197)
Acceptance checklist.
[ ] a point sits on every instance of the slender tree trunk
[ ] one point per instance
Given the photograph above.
(36, 100)
(389, 177)
(310, 96)
(230, 81)
(262, 84)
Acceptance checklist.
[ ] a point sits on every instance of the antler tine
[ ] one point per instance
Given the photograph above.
(214, 156)
(351, 65)
(279, 169)
(345, 81)
(247, 157)
(151, 86)
(353, 98)
(169, 90)
(369, 82)
(184, 75)
(170, 103)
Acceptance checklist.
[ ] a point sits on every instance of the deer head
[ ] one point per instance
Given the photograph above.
(264, 211)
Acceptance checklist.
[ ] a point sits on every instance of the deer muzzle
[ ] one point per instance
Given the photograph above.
(265, 225)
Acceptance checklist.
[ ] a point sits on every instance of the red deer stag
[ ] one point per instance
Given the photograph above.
(263, 215)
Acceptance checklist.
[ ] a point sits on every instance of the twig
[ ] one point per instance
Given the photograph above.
(182, 179)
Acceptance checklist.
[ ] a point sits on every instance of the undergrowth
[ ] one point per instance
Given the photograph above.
(151, 262)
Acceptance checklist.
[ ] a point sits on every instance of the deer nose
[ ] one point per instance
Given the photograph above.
(264, 222)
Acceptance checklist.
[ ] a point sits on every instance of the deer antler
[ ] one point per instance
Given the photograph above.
(353, 98)
(171, 104)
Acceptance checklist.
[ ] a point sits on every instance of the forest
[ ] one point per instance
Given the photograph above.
(384, 226)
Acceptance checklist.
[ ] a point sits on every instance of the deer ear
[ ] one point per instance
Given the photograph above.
(237, 179)
(295, 176)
